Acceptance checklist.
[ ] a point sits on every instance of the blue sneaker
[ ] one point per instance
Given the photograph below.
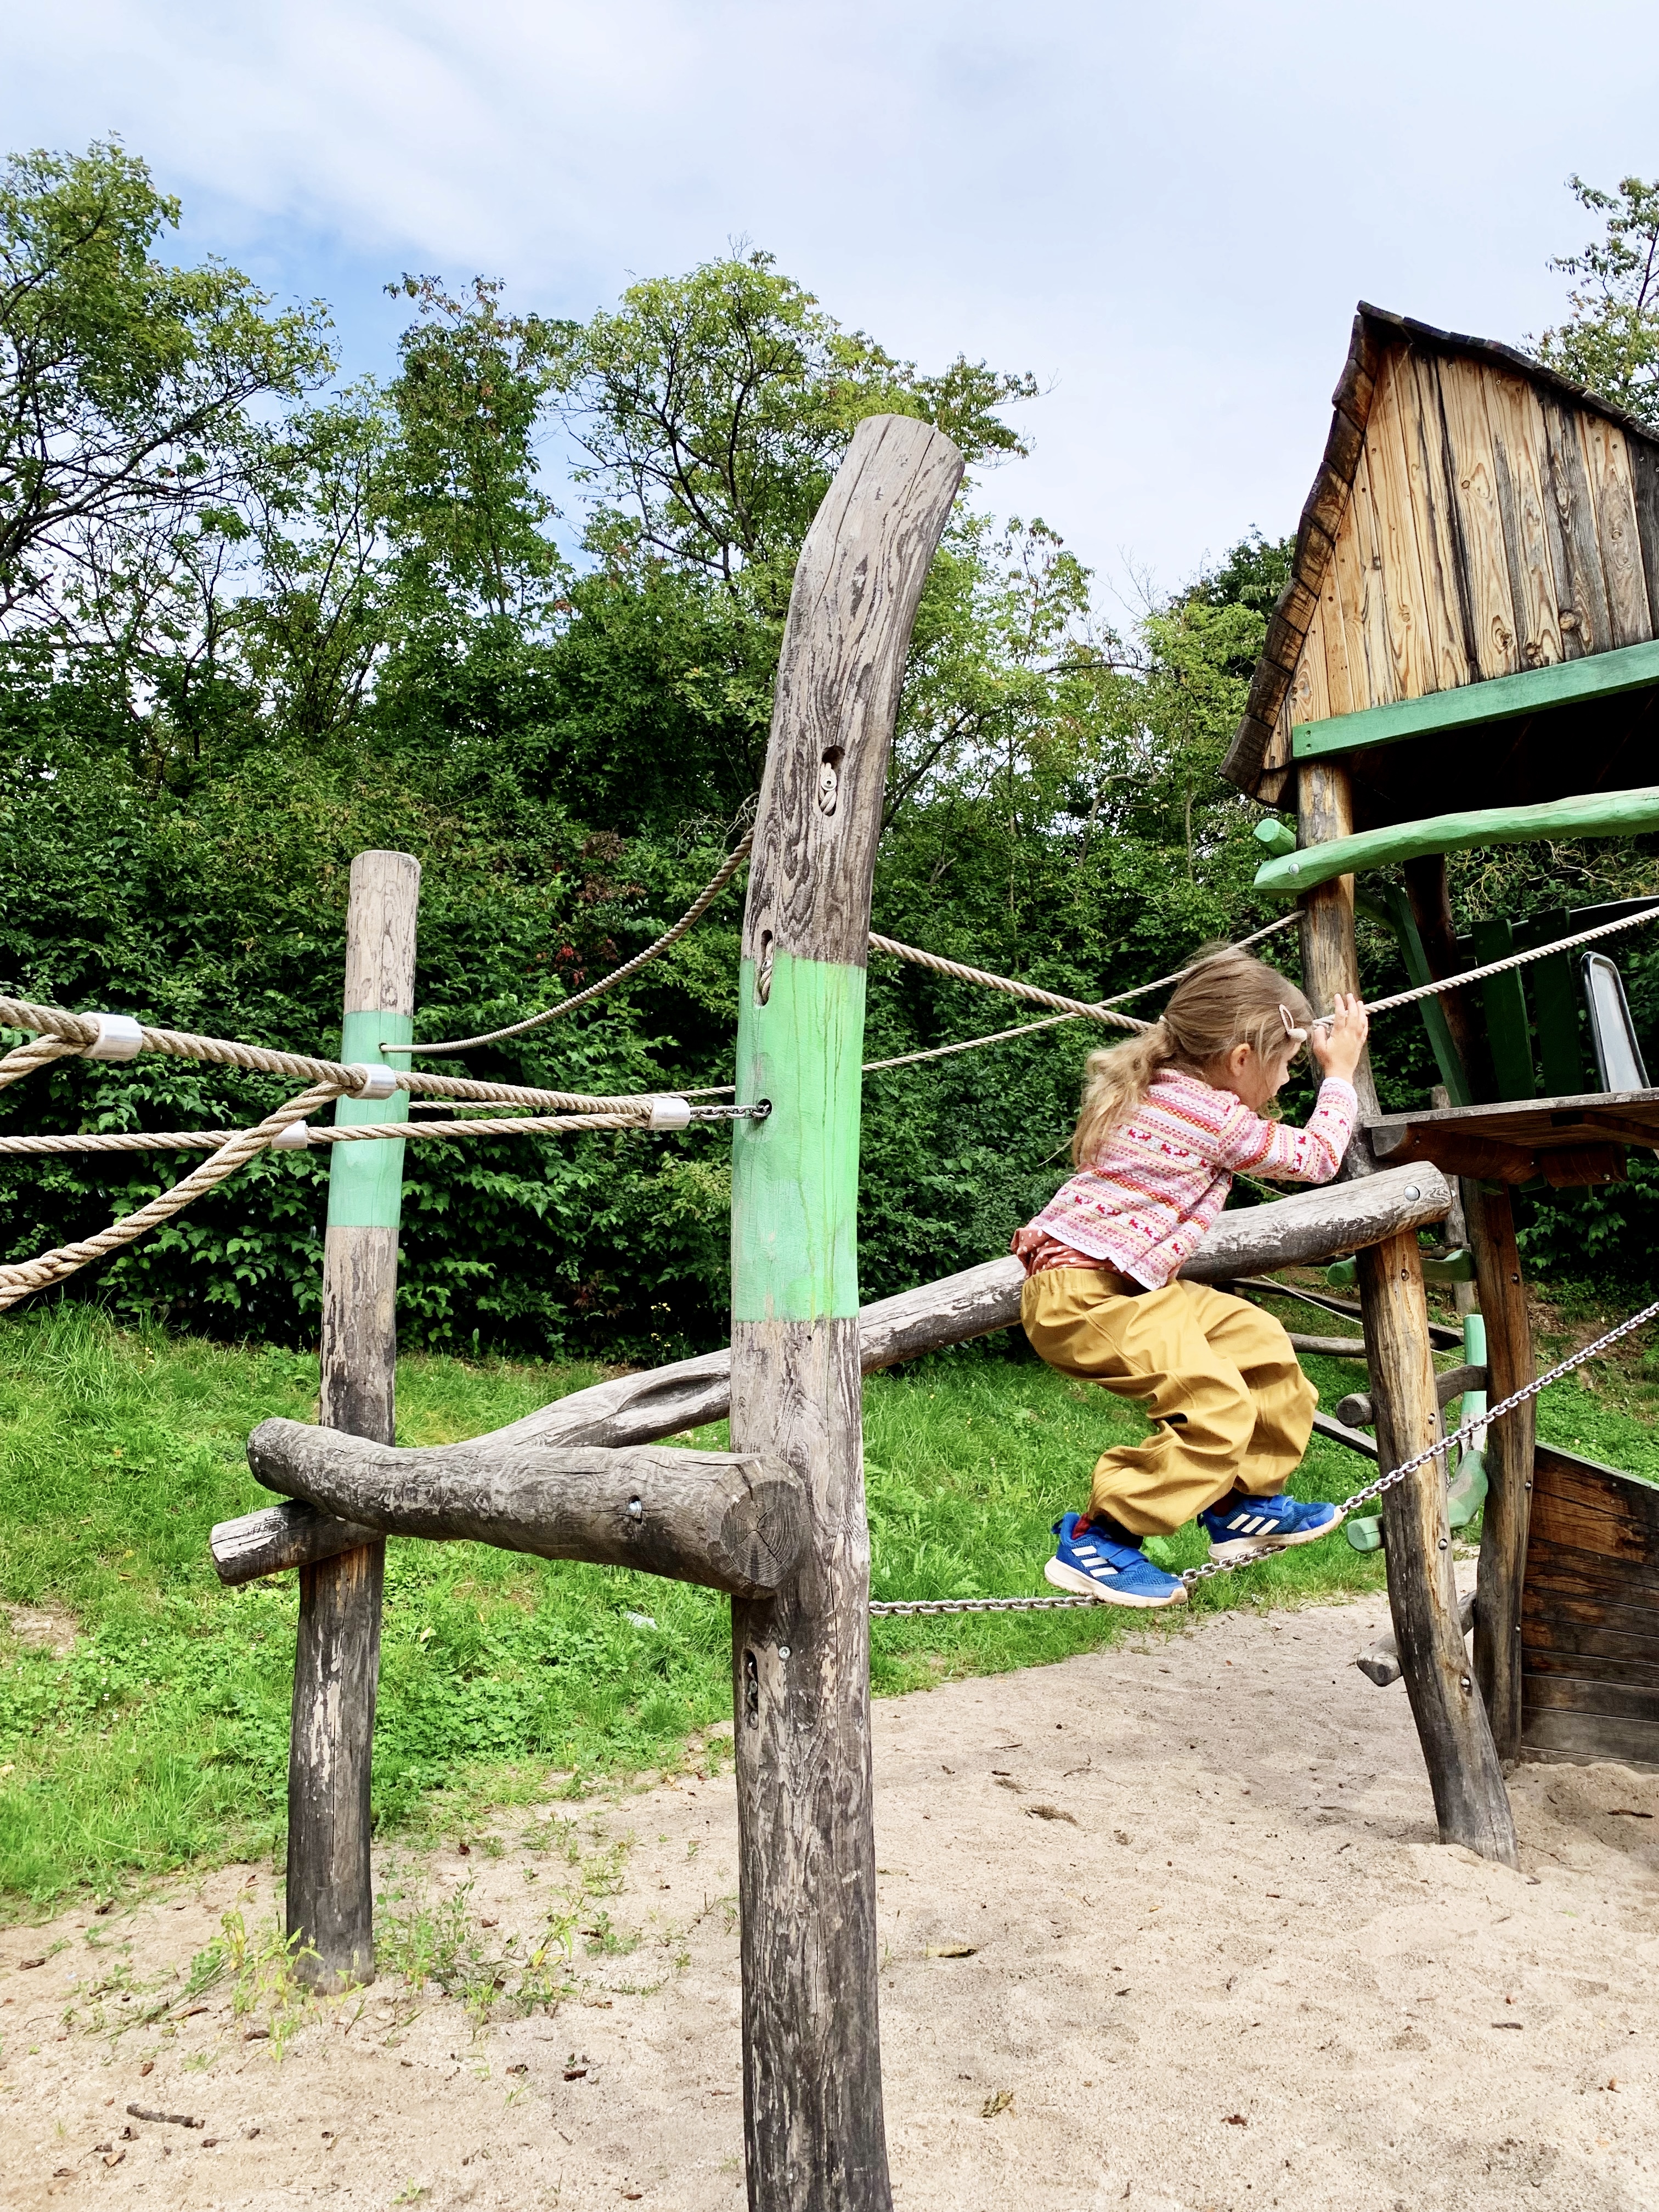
(1240, 1525)
(1100, 1566)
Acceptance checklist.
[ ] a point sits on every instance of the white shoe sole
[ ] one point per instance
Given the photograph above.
(1240, 1548)
(1072, 1578)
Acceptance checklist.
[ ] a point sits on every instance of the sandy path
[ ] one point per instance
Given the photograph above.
(1218, 1963)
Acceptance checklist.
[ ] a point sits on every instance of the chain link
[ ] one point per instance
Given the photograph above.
(1372, 1490)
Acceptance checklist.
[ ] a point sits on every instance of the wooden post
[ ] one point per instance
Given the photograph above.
(1428, 890)
(1470, 1801)
(1510, 1445)
(1330, 961)
(812, 2101)
(337, 1666)
(1469, 1798)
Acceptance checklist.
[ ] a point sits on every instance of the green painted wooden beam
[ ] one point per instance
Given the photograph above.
(1594, 814)
(1499, 698)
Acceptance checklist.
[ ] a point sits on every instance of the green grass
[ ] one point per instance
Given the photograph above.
(158, 1738)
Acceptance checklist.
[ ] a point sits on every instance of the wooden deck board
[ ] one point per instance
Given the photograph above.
(1508, 1142)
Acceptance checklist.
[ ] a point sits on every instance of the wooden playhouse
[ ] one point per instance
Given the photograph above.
(1467, 653)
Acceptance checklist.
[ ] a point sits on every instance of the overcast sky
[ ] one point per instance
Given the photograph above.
(1166, 211)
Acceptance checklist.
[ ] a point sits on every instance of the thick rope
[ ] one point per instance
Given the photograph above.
(1050, 1021)
(24, 1058)
(17, 1281)
(209, 1140)
(689, 920)
(1466, 1434)
(1436, 986)
(74, 1036)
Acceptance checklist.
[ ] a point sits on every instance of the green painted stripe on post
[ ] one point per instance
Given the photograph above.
(1530, 691)
(795, 1175)
(366, 1181)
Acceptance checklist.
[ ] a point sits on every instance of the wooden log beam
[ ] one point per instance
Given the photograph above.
(1470, 1801)
(329, 1898)
(729, 1521)
(1380, 1661)
(637, 1409)
(1510, 1445)
(1359, 1412)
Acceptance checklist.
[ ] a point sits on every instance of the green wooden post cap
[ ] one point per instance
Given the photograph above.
(1278, 836)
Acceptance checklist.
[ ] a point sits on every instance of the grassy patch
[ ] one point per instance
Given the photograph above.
(143, 1709)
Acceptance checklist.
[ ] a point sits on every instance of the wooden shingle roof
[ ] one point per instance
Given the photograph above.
(1475, 516)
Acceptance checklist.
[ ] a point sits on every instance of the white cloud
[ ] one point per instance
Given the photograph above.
(1168, 213)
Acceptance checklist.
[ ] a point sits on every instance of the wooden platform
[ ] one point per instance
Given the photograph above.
(1590, 1614)
(1568, 1141)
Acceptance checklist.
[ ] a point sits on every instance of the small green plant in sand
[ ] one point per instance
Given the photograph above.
(257, 1970)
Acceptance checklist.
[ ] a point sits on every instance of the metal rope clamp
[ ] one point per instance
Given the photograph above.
(670, 1113)
(119, 1037)
(293, 1138)
(374, 1082)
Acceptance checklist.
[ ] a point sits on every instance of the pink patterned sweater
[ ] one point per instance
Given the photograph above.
(1144, 1205)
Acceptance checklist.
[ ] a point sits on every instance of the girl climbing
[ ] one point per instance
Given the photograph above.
(1167, 1120)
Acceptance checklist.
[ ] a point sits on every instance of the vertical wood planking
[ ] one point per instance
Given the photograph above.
(1308, 698)
(1349, 574)
(1375, 640)
(1510, 1445)
(1581, 589)
(1438, 550)
(1607, 463)
(1475, 492)
(1645, 489)
(1470, 1802)
(813, 2091)
(337, 1666)
(1410, 632)
(1531, 531)
(1338, 683)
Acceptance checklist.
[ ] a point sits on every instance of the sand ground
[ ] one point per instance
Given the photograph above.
(1206, 1954)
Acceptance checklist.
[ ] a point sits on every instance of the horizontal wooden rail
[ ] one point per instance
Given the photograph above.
(1596, 814)
(729, 1521)
(639, 1409)
(1356, 1410)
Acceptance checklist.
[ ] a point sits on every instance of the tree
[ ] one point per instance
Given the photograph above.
(123, 382)
(711, 410)
(1610, 342)
(462, 502)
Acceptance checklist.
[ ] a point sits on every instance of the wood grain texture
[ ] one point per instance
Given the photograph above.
(1581, 588)
(813, 2095)
(1338, 684)
(1644, 491)
(1531, 531)
(1358, 1412)
(1410, 632)
(1423, 436)
(1472, 468)
(1304, 1228)
(1607, 465)
(330, 1896)
(1308, 698)
(1510, 1445)
(722, 1519)
(1376, 642)
(1380, 1661)
(1471, 1803)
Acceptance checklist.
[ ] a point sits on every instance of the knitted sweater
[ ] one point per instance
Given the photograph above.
(1143, 1206)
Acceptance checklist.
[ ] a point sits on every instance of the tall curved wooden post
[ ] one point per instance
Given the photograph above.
(1470, 1802)
(331, 1904)
(814, 2124)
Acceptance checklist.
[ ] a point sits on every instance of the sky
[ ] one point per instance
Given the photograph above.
(1167, 213)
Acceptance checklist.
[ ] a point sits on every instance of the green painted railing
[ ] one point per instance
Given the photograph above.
(1596, 814)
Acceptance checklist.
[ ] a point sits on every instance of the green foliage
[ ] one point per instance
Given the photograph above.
(1610, 342)
(123, 384)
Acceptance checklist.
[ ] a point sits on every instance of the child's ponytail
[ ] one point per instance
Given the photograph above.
(1225, 998)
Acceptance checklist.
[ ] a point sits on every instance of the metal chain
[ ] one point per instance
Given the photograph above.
(1372, 1490)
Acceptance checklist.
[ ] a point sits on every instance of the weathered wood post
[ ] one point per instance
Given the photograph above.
(337, 1666)
(1510, 1446)
(813, 2125)
(1471, 1803)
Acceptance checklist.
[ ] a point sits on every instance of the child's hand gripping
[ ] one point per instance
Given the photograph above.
(1336, 1044)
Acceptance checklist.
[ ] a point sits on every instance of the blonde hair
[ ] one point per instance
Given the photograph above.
(1225, 998)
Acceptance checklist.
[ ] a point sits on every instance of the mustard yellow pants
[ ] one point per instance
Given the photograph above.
(1217, 1376)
